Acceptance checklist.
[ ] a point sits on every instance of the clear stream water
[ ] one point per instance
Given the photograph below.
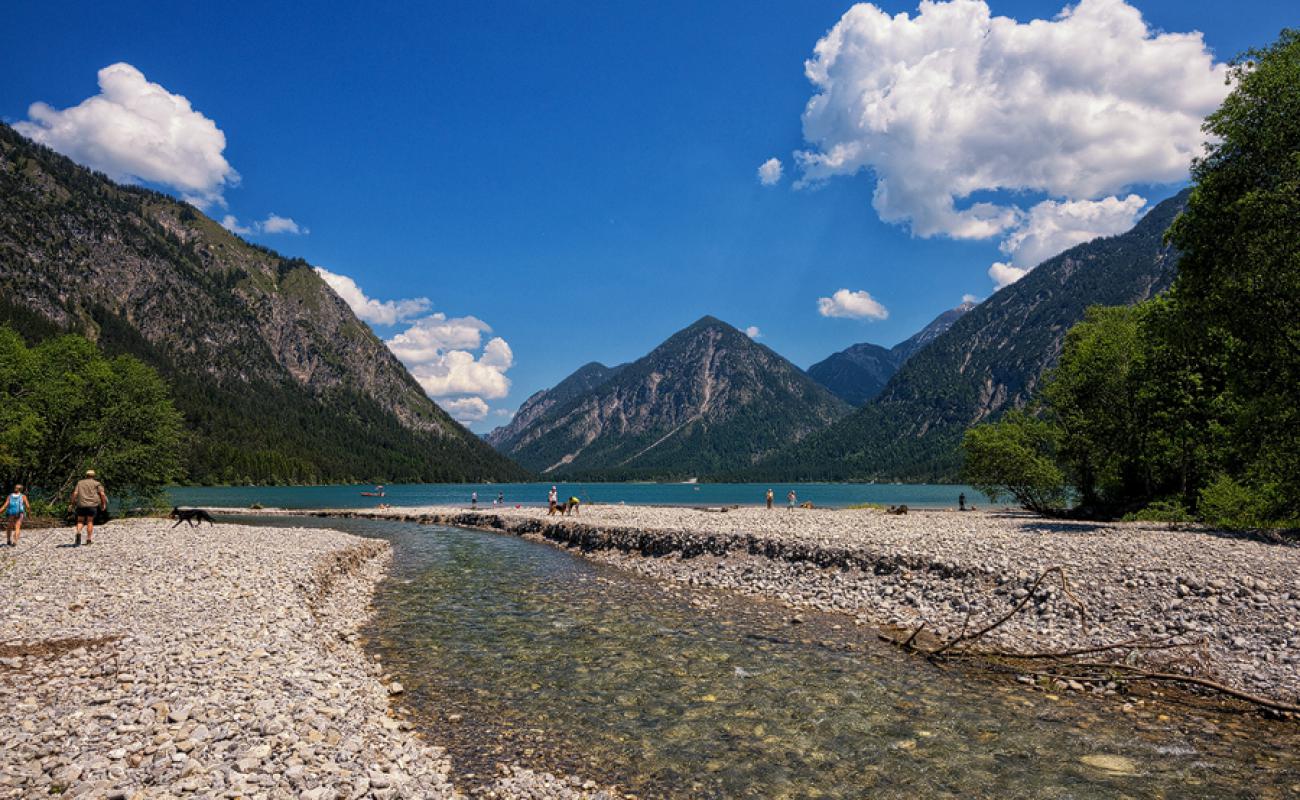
(512, 650)
(833, 495)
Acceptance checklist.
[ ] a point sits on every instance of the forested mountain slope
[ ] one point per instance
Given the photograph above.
(276, 377)
(989, 361)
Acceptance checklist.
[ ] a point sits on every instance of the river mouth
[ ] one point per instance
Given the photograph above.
(513, 651)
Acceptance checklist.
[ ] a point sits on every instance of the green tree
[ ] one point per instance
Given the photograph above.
(67, 408)
(1091, 396)
(1239, 275)
(1017, 457)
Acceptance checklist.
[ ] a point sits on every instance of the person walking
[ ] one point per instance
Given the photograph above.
(553, 501)
(769, 499)
(16, 509)
(473, 499)
(790, 498)
(88, 499)
(961, 502)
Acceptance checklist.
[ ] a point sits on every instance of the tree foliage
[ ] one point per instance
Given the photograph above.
(1192, 401)
(1017, 457)
(65, 408)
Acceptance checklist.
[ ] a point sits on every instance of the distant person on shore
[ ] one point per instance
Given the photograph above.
(769, 499)
(553, 501)
(572, 505)
(501, 498)
(473, 499)
(88, 499)
(16, 510)
(961, 502)
(791, 499)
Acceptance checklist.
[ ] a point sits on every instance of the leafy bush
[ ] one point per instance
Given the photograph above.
(1170, 510)
(1228, 503)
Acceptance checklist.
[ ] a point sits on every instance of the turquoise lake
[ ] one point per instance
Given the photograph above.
(830, 495)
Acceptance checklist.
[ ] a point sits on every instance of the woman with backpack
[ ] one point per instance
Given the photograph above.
(15, 511)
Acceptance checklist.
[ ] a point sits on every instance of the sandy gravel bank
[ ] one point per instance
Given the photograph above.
(1240, 597)
(218, 662)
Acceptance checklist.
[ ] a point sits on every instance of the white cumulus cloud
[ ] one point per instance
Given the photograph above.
(969, 298)
(753, 332)
(855, 305)
(458, 372)
(465, 409)
(137, 131)
(446, 355)
(953, 101)
(1004, 274)
(769, 172)
(1052, 227)
(272, 224)
(373, 311)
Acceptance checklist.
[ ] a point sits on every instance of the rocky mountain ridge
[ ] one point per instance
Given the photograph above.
(277, 378)
(858, 373)
(988, 361)
(708, 398)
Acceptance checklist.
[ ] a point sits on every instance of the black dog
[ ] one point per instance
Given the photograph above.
(194, 516)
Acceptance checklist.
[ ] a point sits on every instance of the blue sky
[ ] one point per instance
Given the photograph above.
(582, 178)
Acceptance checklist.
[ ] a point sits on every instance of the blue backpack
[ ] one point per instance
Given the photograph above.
(15, 504)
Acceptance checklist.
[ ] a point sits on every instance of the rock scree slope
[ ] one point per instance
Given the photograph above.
(708, 398)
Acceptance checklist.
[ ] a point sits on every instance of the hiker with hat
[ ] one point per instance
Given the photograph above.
(88, 499)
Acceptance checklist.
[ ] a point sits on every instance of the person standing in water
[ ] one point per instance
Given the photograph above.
(16, 509)
(88, 499)
(769, 499)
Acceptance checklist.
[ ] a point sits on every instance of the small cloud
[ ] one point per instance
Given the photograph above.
(137, 131)
(465, 409)
(1004, 274)
(504, 413)
(769, 172)
(278, 224)
(753, 332)
(230, 223)
(854, 305)
(272, 224)
(372, 311)
(969, 298)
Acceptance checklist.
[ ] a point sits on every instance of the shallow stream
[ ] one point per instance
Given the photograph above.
(516, 651)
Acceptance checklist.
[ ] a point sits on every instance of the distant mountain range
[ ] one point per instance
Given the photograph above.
(858, 373)
(276, 377)
(988, 361)
(707, 399)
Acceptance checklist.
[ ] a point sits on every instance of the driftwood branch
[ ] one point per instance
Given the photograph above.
(1069, 667)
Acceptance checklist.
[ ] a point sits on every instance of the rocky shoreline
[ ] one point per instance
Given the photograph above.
(215, 662)
(1232, 599)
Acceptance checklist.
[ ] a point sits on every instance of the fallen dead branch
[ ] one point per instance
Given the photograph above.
(1068, 667)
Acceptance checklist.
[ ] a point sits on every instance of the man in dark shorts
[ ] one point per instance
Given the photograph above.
(88, 499)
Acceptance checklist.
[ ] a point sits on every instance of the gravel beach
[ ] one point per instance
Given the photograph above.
(214, 662)
(1237, 598)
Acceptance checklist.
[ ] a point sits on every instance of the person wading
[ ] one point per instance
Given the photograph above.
(88, 499)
